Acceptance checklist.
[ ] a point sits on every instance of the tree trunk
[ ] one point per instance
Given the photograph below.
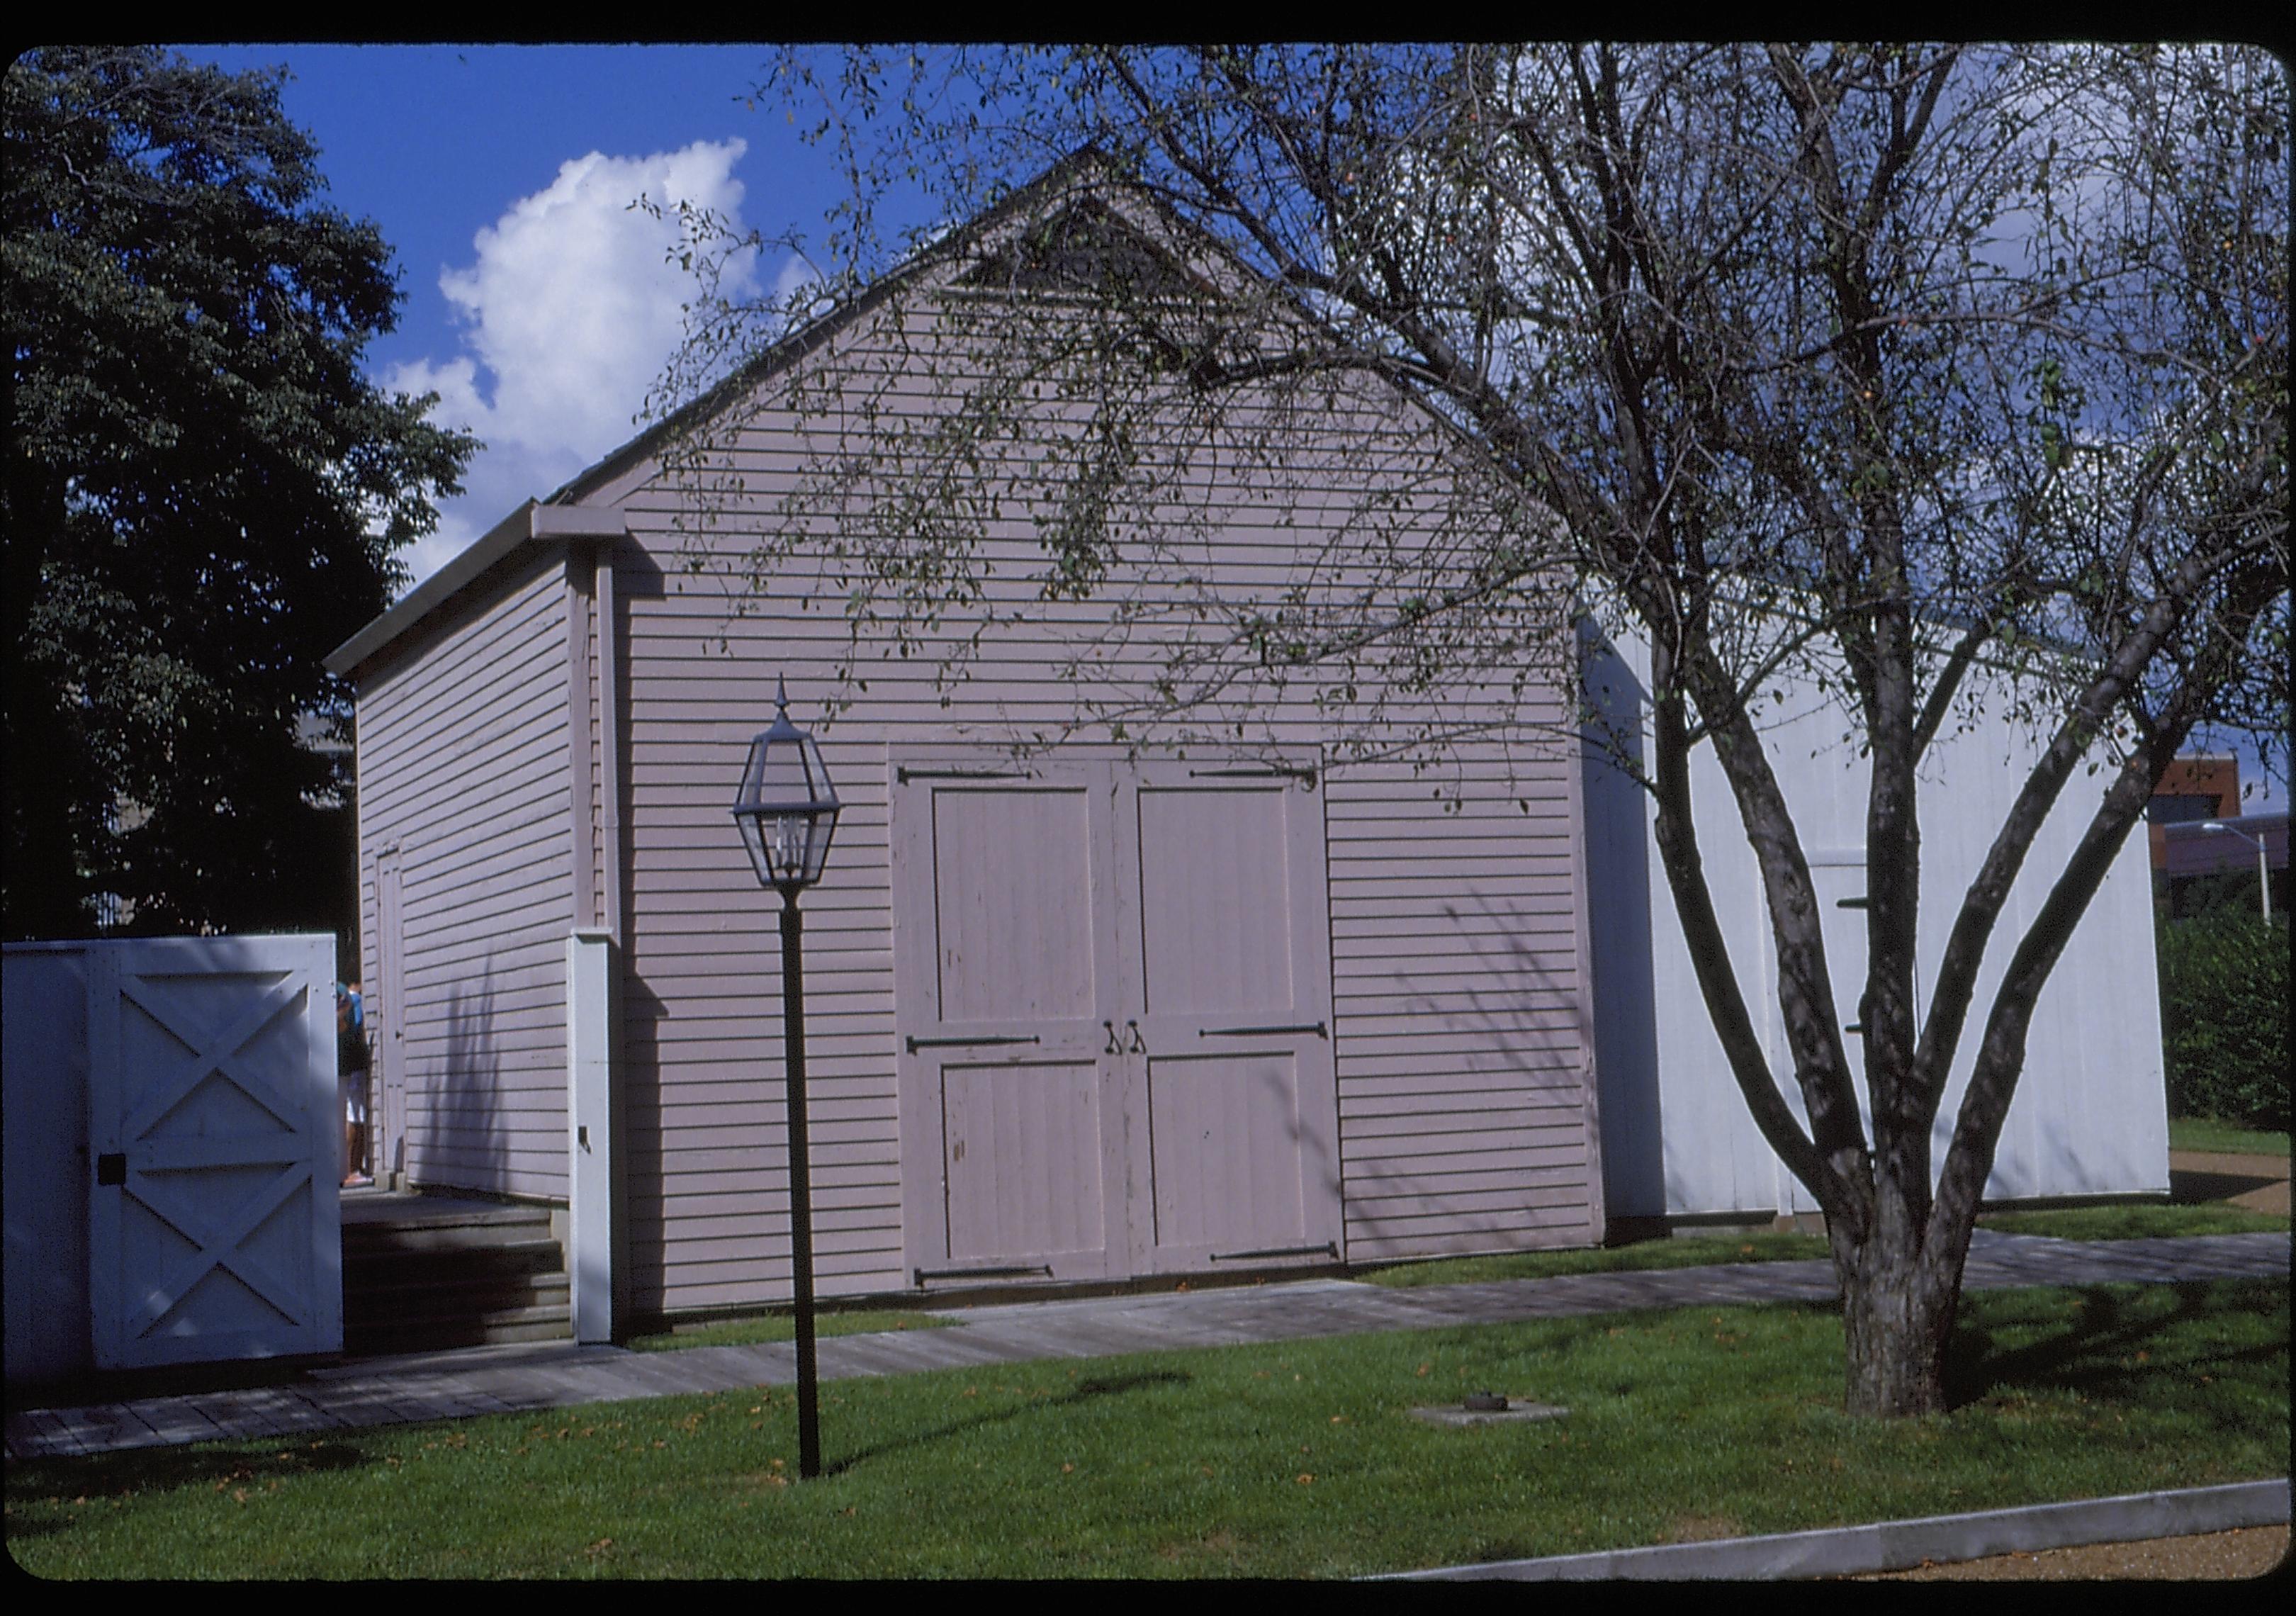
(1894, 1327)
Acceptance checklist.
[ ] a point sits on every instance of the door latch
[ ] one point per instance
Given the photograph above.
(112, 1167)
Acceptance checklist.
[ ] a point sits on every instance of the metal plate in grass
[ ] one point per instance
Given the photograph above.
(1489, 1408)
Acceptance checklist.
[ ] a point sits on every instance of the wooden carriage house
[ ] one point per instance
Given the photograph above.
(1081, 1004)
(1089, 1011)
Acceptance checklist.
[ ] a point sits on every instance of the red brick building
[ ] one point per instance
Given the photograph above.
(2195, 788)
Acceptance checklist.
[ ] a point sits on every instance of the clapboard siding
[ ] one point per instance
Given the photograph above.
(1460, 1054)
(464, 767)
(523, 802)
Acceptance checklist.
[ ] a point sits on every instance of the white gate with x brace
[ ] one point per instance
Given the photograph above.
(215, 1138)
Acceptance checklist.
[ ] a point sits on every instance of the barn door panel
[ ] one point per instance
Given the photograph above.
(1224, 1136)
(214, 1227)
(1233, 982)
(1004, 961)
(1022, 1147)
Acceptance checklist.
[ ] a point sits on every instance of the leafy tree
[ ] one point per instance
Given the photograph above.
(2223, 1016)
(203, 495)
(1866, 364)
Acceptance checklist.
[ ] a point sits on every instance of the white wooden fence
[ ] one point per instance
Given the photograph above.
(173, 1145)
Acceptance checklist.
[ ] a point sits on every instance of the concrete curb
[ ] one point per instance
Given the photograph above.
(1893, 1546)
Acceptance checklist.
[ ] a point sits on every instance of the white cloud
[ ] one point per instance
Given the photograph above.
(798, 277)
(571, 308)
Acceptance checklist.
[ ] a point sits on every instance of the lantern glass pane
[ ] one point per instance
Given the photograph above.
(754, 847)
(787, 808)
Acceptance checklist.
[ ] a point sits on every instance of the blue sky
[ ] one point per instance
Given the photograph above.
(538, 304)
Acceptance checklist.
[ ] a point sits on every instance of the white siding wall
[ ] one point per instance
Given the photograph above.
(2090, 1115)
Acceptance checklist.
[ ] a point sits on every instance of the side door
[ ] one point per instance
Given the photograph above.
(1006, 991)
(386, 1038)
(214, 1229)
(1227, 1024)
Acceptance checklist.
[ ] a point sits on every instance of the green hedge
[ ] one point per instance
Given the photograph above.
(2223, 1017)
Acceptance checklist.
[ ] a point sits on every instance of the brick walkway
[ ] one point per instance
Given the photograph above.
(558, 1375)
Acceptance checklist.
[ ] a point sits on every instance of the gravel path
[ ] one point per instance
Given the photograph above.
(2211, 1557)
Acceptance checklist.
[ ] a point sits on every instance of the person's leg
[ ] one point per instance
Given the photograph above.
(354, 1089)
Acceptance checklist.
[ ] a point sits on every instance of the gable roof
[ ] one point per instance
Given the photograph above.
(530, 523)
(1071, 252)
(778, 356)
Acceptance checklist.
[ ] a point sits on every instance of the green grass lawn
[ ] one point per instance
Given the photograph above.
(2207, 1134)
(783, 1327)
(1300, 1460)
(2135, 1222)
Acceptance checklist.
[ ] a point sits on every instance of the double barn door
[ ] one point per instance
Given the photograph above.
(1113, 991)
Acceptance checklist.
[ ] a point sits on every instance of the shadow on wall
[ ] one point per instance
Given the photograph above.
(1524, 997)
(645, 1176)
(642, 1183)
(1623, 991)
(461, 1139)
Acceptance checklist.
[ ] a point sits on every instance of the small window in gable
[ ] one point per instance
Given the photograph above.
(1084, 250)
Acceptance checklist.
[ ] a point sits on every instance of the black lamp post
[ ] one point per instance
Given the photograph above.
(787, 812)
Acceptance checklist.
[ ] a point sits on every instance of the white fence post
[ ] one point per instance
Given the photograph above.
(592, 1234)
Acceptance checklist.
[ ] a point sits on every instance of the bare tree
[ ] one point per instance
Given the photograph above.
(1863, 363)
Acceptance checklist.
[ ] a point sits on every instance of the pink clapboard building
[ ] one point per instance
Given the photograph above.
(1105, 1009)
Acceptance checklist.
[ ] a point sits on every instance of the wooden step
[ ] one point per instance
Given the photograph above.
(408, 1264)
(420, 1277)
(467, 1293)
(497, 1328)
(515, 1223)
(546, 1319)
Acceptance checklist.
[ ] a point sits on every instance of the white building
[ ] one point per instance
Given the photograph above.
(2090, 1117)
